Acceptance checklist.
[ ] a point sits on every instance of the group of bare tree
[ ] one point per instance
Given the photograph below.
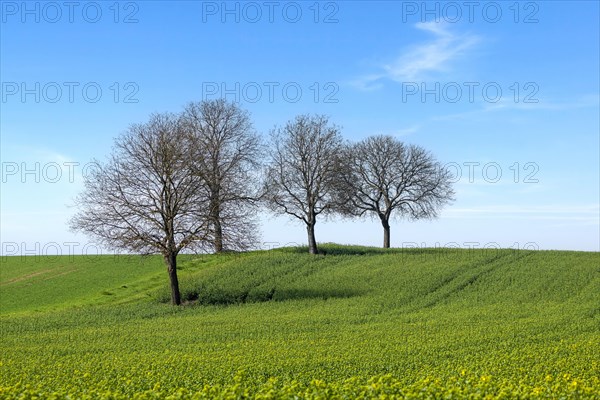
(195, 181)
(312, 171)
(177, 182)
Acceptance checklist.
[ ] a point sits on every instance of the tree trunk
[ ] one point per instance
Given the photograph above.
(312, 242)
(216, 220)
(171, 261)
(218, 236)
(386, 233)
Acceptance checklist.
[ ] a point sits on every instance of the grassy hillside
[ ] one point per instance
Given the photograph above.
(42, 283)
(357, 322)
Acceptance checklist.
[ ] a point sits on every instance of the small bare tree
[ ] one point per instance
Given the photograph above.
(145, 199)
(226, 154)
(383, 176)
(304, 165)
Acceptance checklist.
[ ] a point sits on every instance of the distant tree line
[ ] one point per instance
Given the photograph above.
(196, 180)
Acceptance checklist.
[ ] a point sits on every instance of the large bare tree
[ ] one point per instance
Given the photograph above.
(145, 198)
(226, 154)
(304, 165)
(384, 177)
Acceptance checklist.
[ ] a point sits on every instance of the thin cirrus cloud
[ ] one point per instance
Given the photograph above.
(583, 212)
(543, 105)
(419, 62)
(407, 131)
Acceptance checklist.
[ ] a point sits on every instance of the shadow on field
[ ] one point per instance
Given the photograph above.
(301, 294)
(325, 250)
(215, 297)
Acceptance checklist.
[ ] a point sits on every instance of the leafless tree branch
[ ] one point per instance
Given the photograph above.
(384, 177)
(303, 168)
(145, 198)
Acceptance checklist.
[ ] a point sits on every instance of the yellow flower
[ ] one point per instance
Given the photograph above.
(574, 384)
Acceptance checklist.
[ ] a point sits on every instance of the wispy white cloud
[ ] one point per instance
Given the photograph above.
(586, 213)
(434, 56)
(506, 104)
(419, 62)
(399, 132)
(27, 153)
(591, 100)
(406, 131)
(368, 83)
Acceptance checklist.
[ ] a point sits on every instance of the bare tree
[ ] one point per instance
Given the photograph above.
(226, 155)
(383, 177)
(145, 199)
(303, 169)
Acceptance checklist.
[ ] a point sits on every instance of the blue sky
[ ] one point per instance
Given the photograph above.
(505, 93)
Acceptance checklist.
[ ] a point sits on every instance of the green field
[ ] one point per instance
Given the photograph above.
(354, 323)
